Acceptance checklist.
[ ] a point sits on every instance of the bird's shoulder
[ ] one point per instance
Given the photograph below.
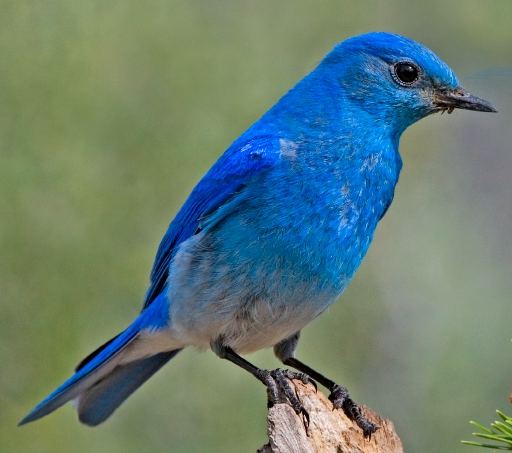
(243, 163)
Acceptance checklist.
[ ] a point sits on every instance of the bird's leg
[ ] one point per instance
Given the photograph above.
(274, 380)
(339, 395)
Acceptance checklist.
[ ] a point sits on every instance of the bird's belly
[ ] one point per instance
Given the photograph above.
(249, 301)
(247, 327)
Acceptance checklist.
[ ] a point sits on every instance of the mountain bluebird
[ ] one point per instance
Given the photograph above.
(273, 233)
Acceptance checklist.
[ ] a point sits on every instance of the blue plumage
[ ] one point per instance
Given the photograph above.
(273, 233)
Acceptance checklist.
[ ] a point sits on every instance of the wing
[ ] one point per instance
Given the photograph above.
(241, 165)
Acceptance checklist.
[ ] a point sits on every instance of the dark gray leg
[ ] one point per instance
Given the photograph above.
(285, 352)
(274, 380)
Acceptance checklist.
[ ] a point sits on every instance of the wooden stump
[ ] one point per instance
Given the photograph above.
(330, 431)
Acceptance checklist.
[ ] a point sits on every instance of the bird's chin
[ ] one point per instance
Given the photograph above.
(448, 101)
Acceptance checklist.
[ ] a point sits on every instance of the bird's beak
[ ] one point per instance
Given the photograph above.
(460, 99)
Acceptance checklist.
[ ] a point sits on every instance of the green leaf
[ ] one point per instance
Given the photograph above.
(483, 428)
(496, 437)
(504, 417)
(503, 428)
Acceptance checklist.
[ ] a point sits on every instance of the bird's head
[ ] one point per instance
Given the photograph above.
(396, 80)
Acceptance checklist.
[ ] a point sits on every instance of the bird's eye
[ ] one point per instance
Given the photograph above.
(406, 73)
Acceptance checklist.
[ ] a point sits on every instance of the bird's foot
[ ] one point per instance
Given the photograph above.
(278, 386)
(342, 400)
(303, 377)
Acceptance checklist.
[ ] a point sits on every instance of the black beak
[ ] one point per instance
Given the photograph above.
(461, 99)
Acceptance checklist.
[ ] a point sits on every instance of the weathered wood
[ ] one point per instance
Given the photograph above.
(329, 431)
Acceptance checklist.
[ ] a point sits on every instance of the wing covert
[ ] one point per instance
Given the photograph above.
(242, 164)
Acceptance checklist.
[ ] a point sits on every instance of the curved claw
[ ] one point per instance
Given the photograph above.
(294, 398)
(368, 428)
(276, 380)
(342, 400)
(306, 420)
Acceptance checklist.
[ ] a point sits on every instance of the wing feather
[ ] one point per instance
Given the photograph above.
(242, 164)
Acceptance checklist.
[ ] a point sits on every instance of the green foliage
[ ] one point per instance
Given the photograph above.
(502, 433)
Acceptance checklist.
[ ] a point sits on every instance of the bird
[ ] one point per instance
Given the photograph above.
(271, 236)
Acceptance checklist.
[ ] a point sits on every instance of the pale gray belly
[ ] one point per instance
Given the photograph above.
(250, 305)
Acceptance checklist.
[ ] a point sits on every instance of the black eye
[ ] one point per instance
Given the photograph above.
(406, 73)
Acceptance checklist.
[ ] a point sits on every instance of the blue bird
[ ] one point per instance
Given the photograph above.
(273, 233)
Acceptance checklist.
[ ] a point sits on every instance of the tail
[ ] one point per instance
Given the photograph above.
(105, 378)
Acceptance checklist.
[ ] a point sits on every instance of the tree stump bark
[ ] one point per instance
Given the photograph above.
(329, 431)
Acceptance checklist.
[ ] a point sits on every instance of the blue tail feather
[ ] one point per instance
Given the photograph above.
(101, 375)
(97, 403)
(83, 379)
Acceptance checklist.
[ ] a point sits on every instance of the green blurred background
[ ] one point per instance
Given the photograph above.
(111, 111)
